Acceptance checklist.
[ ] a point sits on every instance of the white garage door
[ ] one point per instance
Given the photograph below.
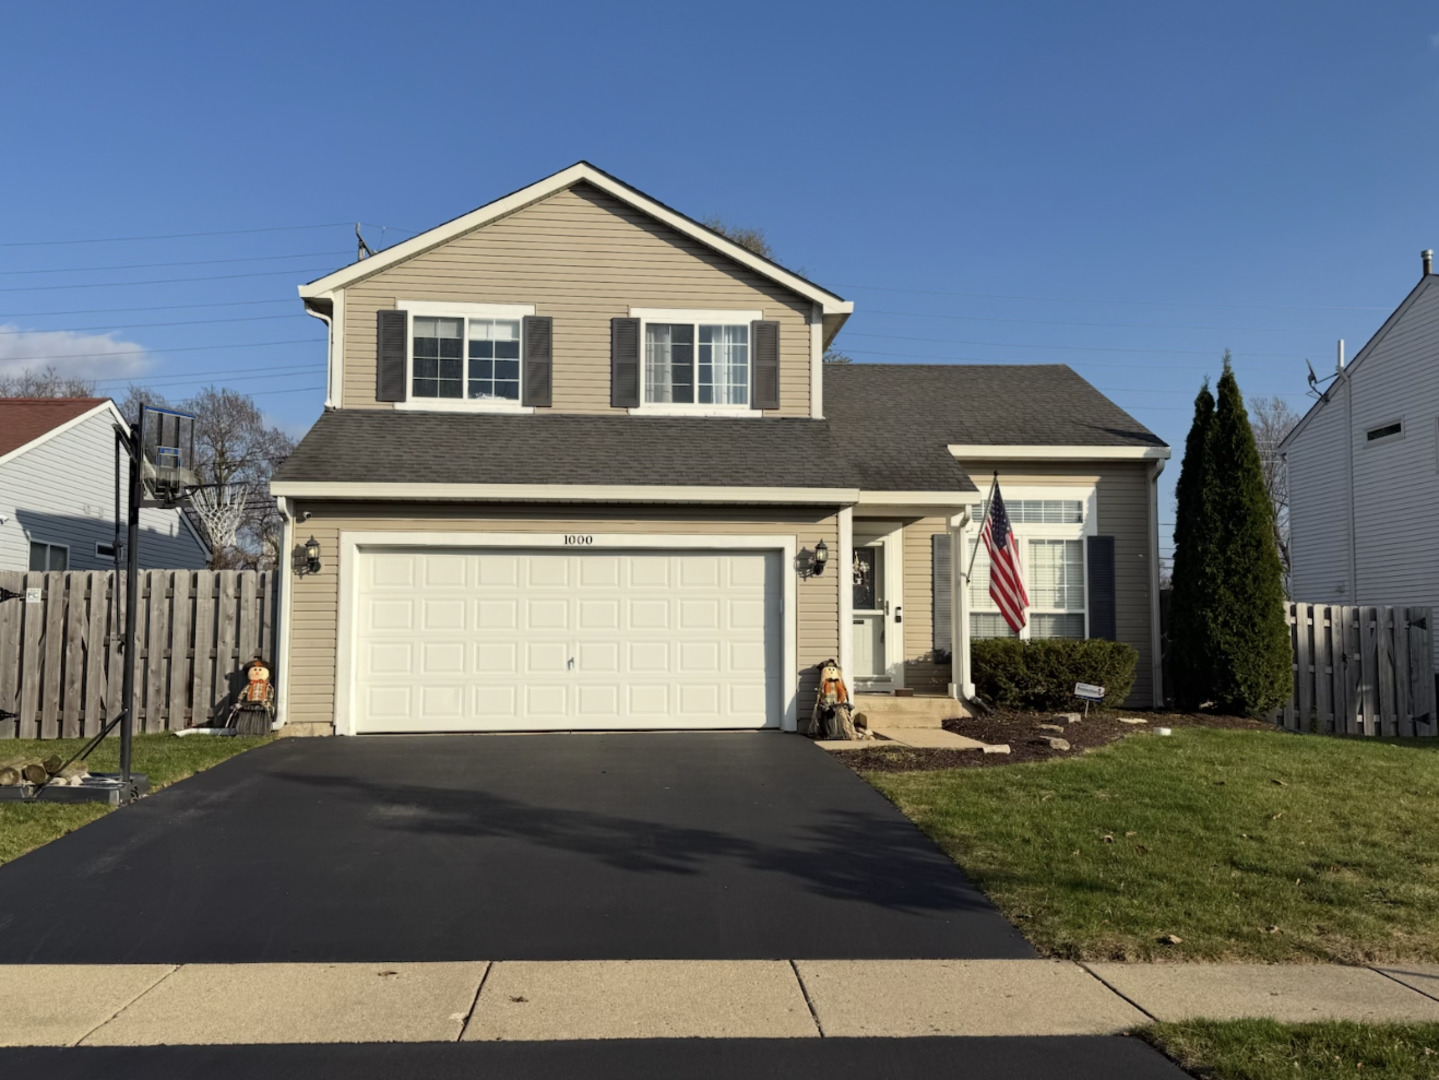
(503, 639)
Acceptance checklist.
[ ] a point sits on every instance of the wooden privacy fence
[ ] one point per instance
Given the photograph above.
(60, 655)
(1361, 671)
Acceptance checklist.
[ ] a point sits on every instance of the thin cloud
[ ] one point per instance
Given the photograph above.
(1434, 41)
(77, 356)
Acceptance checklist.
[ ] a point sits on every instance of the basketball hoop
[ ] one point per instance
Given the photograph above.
(221, 507)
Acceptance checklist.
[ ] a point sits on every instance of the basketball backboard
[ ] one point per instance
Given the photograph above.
(167, 452)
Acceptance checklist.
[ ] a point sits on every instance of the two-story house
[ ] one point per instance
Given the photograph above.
(60, 482)
(582, 467)
(1363, 465)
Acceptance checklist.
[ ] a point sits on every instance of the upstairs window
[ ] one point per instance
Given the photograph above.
(697, 364)
(1385, 431)
(474, 359)
(49, 556)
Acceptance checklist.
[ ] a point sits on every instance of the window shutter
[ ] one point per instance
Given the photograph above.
(539, 332)
(1101, 588)
(392, 329)
(764, 369)
(625, 363)
(940, 574)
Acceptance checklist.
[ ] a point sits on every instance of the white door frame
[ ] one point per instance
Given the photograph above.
(352, 543)
(890, 536)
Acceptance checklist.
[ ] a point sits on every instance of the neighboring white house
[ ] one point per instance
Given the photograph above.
(57, 492)
(1364, 469)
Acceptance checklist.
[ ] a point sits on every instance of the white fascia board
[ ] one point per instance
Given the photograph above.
(986, 452)
(60, 429)
(304, 489)
(915, 498)
(565, 178)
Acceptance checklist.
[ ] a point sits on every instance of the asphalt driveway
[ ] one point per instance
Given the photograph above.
(538, 847)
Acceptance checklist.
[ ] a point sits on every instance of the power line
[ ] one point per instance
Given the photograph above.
(159, 307)
(1070, 348)
(1072, 322)
(186, 262)
(58, 357)
(178, 377)
(136, 326)
(1001, 361)
(162, 281)
(1142, 303)
(174, 236)
(295, 372)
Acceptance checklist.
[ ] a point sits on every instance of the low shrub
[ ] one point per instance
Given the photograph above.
(1040, 675)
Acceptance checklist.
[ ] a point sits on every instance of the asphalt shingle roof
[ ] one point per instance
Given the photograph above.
(888, 428)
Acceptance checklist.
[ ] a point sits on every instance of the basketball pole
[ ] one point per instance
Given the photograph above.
(132, 585)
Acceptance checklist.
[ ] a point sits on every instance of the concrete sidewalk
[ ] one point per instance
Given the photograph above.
(208, 1004)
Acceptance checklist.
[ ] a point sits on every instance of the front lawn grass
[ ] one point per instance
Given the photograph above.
(163, 758)
(1267, 1050)
(1245, 845)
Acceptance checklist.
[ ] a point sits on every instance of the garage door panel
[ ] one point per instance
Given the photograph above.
(506, 639)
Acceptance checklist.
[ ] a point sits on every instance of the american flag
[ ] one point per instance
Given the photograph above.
(1006, 574)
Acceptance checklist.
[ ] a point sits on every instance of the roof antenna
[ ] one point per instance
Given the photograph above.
(364, 251)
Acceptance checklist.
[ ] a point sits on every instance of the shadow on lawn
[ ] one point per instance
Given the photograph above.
(850, 856)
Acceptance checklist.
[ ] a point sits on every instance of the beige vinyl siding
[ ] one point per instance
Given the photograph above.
(1123, 510)
(922, 672)
(584, 258)
(315, 597)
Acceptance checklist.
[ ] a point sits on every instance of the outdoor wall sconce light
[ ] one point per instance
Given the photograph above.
(307, 558)
(811, 563)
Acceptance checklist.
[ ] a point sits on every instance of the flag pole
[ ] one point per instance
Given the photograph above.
(993, 485)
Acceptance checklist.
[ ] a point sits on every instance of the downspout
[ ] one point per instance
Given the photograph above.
(1156, 656)
(284, 576)
(329, 353)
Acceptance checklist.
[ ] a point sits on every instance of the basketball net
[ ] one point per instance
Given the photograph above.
(221, 509)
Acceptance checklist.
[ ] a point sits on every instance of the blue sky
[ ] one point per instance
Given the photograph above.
(1129, 188)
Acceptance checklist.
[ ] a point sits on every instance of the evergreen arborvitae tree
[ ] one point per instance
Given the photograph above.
(1249, 652)
(1195, 527)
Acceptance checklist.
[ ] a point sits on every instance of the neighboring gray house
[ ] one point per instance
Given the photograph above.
(57, 492)
(1364, 469)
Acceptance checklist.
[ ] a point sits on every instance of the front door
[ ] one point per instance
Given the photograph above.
(877, 572)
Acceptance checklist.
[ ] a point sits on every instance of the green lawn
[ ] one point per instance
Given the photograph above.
(163, 758)
(1246, 845)
(1266, 1050)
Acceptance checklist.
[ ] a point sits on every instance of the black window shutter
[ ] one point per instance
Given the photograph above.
(392, 330)
(764, 371)
(940, 576)
(1101, 588)
(625, 363)
(539, 361)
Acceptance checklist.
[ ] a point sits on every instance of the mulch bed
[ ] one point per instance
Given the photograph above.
(1028, 741)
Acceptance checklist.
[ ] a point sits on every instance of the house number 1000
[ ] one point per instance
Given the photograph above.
(580, 540)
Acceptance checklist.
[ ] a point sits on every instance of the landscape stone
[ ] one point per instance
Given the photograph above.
(1058, 744)
(1068, 717)
(1132, 720)
(998, 748)
(1050, 727)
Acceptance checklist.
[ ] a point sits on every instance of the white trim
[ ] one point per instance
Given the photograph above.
(816, 362)
(105, 554)
(60, 429)
(443, 309)
(328, 320)
(987, 452)
(889, 537)
(350, 544)
(960, 669)
(730, 412)
(464, 405)
(844, 583)
(708, 316)
(337, 338)
(580, 172)
(286, 577)
(916, 498)
(562, 493)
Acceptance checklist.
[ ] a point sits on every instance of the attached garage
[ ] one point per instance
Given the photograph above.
(530, 633)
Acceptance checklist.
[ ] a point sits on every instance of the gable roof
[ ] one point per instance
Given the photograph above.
(896, 411)
(23, 421)
(834, 309)
(1363, 354)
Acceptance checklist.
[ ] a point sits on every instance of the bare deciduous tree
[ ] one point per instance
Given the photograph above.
(834, 356)
(749, 239)
(44, 383)
(1272, 419)
(233, 445)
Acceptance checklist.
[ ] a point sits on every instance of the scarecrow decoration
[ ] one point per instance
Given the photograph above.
(833, 711)
(254, 708)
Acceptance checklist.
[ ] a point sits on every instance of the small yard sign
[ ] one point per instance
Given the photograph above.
(32, 596)
(1088, 692)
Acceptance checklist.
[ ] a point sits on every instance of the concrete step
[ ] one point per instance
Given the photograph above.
(919, 711)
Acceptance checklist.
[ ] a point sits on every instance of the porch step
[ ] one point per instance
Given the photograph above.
(919, 711)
